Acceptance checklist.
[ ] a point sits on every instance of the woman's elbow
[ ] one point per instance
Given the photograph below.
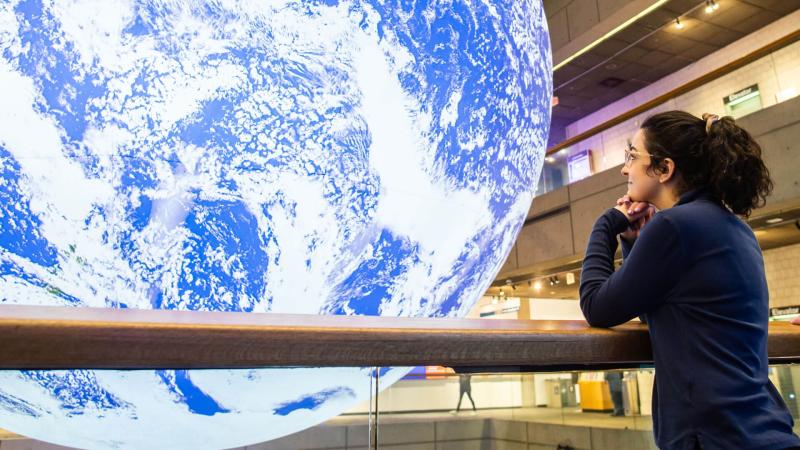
(597, 322)
(593, 317)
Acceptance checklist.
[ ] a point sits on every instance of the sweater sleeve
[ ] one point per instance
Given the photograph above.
(626, 250)
(652, 266)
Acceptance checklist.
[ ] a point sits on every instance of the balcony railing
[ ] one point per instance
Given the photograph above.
(37, 337)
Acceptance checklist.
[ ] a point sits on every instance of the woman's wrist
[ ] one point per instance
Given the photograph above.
(619, 220)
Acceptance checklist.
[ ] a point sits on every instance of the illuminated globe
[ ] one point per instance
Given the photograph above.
(319, 157)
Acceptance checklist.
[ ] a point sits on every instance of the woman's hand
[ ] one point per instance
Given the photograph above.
(637, 213)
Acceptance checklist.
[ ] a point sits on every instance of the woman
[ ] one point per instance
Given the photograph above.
(694, 271)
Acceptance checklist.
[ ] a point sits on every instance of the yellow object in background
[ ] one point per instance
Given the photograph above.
(595, 396)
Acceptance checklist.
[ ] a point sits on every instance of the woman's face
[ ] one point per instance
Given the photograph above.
(643, 186)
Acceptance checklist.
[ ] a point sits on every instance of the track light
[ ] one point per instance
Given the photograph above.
(678, 23)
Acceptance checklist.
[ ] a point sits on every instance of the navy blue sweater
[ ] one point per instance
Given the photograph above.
(696, 274)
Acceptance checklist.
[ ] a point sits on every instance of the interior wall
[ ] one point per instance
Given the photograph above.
(782, 266)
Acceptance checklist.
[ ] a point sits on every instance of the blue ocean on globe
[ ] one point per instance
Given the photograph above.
(329, 157)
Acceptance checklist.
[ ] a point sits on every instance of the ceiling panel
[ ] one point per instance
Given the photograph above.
(784, 7)
(677, 45)
(724, 37)
(678, 7)
(655, 41)
(626, 70)
(703, 31)
(656, 19)
(587, 60)
(732, 14)
(756, 21)
(633, 54)
(633, 33)
(698, 50)
(610, 47)
(771, 5)
(654, 58)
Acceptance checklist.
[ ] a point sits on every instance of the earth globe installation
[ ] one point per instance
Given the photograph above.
(353, 157)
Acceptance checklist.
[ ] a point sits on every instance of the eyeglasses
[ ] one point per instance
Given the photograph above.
(630, 154)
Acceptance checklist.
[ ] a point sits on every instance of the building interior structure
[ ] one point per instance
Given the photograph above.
(615, 63)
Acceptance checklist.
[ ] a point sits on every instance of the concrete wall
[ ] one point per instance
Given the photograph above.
(559, 222)
(783, 276)
(777, 130)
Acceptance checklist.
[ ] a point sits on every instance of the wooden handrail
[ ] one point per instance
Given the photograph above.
(41, 337)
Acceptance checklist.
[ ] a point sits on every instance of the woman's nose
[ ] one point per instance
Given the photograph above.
(624, 170)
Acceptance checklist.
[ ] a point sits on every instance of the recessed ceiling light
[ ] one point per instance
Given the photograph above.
(774, 220)
(678, 23)
(611, 82)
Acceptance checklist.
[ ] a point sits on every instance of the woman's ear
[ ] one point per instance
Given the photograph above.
(667, 171)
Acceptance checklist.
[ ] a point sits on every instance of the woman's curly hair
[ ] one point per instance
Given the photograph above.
(722, 157)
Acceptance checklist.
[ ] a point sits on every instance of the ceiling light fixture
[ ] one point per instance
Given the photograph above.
(678, 23)
(537, 286)
(711, 6)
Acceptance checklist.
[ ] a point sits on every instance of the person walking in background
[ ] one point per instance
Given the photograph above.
(464, 387)
(694, 272)
(614, 380)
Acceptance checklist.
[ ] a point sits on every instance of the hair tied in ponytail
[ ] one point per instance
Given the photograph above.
(727, 162)
(710, 119)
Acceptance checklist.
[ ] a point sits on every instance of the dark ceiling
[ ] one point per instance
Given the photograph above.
(593, 81)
